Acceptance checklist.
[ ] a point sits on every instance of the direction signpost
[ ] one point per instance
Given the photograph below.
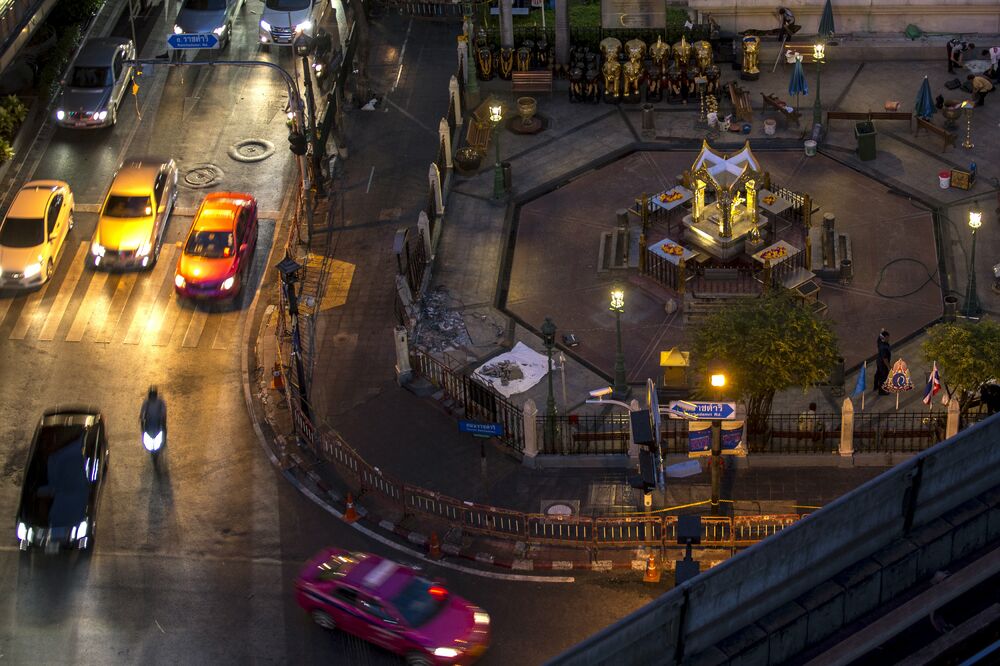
(682, 409)
(193, 40)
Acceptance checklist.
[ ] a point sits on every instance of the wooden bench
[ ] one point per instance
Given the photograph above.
(540, 81)
(869, 116)
(948, 138)
(477, 136)
(740, 98)
(789, 116)
(714, 273)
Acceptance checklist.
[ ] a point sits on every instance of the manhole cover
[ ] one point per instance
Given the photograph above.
(251, 150)
(559, 510)
(203, 175)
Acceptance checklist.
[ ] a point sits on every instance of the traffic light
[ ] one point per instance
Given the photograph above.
(646, 479)
(297, 142)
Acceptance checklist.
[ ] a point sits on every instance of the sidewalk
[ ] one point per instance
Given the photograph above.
(384, 185)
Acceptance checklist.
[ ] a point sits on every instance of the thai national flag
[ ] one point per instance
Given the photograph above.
(933, 385)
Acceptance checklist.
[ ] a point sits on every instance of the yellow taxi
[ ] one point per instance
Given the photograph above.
(34, 232)
(135, 215)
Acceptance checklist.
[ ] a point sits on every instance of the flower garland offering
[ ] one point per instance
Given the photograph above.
(769, 199)
(774, 253)
(668, 197)
(672, 248)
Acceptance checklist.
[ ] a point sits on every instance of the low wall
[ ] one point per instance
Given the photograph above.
(870, 544)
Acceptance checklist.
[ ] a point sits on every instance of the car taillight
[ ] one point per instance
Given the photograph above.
(437, 592)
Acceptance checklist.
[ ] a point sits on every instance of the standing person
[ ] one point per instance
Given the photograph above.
(956, 51)
(980, 86)
(994, 55)
(882, 361)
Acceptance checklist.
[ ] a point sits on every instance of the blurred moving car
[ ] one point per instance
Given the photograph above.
(33, 233)
(67, 465)
(208, 16)
(135, 214)
(392, 606)
(218, 252)
(282, 20)
(97, 82)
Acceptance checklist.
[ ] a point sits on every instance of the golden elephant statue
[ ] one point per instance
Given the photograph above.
(659, 51)
(633, 73)
(703, 55)
(610, 48)
(682, 52)
(612, 76)
(635, 49)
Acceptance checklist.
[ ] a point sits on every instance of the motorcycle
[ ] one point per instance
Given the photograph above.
(154, 436)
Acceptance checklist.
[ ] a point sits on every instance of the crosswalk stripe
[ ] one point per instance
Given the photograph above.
(5, 303)
(28, 314)
(107, 325)
(195, 327)
(164, 314)
(150, 292)
(168, 319)
(227, 329)
(93, 301)
(66, 289)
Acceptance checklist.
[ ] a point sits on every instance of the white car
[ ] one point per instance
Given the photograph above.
(34, 232)
(281, 21)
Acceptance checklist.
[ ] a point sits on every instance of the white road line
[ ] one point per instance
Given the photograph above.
(370, 176)
(106, 327)
(228, 326)
(150, 292)
(66, 289)
(5, 303)
(92, 300)
(28, 314)
(195, 327)
(168, 321)
(402, 52)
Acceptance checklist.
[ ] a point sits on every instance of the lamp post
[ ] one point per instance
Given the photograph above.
(717, 380)
(496, 115)
(288, 269)
(618, 307)
(967, 144)
(549, 340)
(972, 307)
(819, 52)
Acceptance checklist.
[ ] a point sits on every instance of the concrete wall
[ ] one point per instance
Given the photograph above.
(771, 600)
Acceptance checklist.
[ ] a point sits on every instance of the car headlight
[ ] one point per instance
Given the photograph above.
(218, 31)
(304, 26)
(264, 25)
(60, 114)
(228, 283)
(481, 618)
(446, 652)
(179, 281)
(101, 115)
(81, 530)
(31, 270)
(143, 250)
(97, 249)
(178, 30)
(22, 531)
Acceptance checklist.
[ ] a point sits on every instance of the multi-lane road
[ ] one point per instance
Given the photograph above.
(194, 561)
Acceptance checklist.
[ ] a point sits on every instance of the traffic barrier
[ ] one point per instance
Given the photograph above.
(277, 378)
(434, 547)
(652, 574)
(350, 514)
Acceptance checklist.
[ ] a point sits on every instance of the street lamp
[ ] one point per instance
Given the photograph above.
(972, 307)
(718, 380)
(819, 52)
(496, 115)
(288, 269)
(549, 340)
(618, 307)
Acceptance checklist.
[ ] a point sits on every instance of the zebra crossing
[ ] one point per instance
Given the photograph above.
(82, 306)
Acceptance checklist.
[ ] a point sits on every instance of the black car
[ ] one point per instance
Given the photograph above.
(63, 479)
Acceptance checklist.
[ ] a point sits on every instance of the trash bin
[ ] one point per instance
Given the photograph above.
(865, 134)
(950, 308)
(648, 118)
(507, 182)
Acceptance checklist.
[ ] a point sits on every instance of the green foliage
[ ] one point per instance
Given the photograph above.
(967, 355)
(69, 13)
(6, 150)
(767, 345)
(57, 59)
(12, 114)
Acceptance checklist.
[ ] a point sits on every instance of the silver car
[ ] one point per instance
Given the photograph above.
(96, 84)
(208, 16)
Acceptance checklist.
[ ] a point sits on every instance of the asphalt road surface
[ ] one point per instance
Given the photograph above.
(194, 561)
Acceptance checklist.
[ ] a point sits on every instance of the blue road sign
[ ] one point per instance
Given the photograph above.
(702, 410)
(193, 40)
(480, 429)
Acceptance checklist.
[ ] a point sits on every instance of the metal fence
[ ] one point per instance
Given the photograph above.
(901, 432)
(590, 37)
(582, 434)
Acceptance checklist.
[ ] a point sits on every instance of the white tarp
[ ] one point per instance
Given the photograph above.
(523, 366)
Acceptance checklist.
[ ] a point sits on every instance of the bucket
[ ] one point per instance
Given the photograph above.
(769, 126)
(944, 179)
(810, 146)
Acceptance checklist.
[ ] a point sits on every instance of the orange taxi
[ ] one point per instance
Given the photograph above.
(218, 252)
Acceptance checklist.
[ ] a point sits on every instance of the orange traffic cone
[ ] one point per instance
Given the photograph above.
(350, 515)
(652, 574)
(434, 547)
(277, 380)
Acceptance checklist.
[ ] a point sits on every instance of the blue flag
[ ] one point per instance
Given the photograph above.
(859, 388)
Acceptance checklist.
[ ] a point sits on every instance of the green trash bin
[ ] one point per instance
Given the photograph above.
(865, 134)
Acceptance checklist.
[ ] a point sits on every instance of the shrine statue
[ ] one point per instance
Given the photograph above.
(576, 93)
(523, 59)
(682, 52)
(591, 89)
(506, 63)
(713, 74)
(633, 71)
(542, 53)
(673, 84)
(481, 39)
(610, 47)
(484, 63)
(653, 74)
(751, 46)
(635, 49)
(612, 76)
(659, 52)
(703, 55)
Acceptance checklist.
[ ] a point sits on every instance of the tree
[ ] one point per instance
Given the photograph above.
(766, 345)
(967, 355)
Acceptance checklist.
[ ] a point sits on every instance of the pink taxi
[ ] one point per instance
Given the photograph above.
(392, 606)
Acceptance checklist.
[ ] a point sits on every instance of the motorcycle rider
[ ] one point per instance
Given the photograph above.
(154, 410)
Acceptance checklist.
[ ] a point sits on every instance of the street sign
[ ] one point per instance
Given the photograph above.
(654, 408)
(480, 429)
(193, 40)
(681, 409)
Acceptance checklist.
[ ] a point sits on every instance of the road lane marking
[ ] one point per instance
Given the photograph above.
(402, 53)
(28, 313)
(150, 292)
(5, 303)
(227, 329)
(171, 311)
(195, 327)
(66, 289)
(106, 328)
(93, 300)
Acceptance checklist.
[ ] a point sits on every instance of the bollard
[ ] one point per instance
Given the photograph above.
(846, 271)
(648, 119)
(507, 177)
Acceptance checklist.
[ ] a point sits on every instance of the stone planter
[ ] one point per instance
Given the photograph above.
(467, 160)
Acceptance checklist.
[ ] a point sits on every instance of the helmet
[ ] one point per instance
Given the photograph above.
(152, 392)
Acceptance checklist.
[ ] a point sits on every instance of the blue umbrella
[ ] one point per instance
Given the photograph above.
(826, 21)
(798, 86)
(924, 106)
